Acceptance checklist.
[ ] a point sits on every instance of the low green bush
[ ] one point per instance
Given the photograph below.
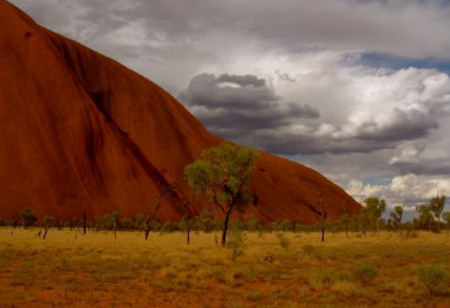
(433, 276)
(365, 274)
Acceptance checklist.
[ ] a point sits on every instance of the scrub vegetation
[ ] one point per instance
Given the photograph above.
(256, 269)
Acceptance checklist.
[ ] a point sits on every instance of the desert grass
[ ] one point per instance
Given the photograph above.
(69, 269)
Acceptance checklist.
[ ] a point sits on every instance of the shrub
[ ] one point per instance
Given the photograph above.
(274, 226)
(309, 250)
(48, 220)
(365, 274)
(169, 226)
(236, 244)
(284, 242)
(28, 217)
(253, 224)
(433, 276)
(139, 220)
(127, 224)
(319, 279)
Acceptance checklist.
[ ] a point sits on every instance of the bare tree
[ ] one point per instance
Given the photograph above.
(396, 216)
(165, 192)
(48, 222)
(319, 210)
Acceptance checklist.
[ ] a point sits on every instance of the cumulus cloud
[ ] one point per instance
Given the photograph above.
(385, 109)
(416, 158)
(409, 190)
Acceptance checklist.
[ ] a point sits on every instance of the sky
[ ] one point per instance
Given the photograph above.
(358, 90)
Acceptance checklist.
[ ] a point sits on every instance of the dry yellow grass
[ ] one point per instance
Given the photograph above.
(69, 269)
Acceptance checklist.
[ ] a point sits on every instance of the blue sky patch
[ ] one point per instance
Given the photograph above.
(382, 60)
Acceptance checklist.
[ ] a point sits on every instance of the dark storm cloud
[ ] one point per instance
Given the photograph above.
(365, 138)
(426, 167)
(403, 125)
(249, 92)
(311, 144)
(247, 105)
(264, 118)
(248, 111)
(242, 80)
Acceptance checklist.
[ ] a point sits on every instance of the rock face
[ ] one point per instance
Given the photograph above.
(81, 132)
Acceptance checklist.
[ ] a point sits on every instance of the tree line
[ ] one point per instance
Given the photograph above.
(222, 176)
(430, 217)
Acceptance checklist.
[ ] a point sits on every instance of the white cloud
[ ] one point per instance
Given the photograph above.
(409, 189)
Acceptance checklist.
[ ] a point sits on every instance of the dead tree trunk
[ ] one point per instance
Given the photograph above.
(188, 231)
(84, 222)
(322, 239)
(45, 233)
(147, 231)
(321, 214)
(164, 193)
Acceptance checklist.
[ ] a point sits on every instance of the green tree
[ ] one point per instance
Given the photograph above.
(425, 216)
(28, 217)
(375, 208)
(396, 216)
(223, 174)
(437, 205)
